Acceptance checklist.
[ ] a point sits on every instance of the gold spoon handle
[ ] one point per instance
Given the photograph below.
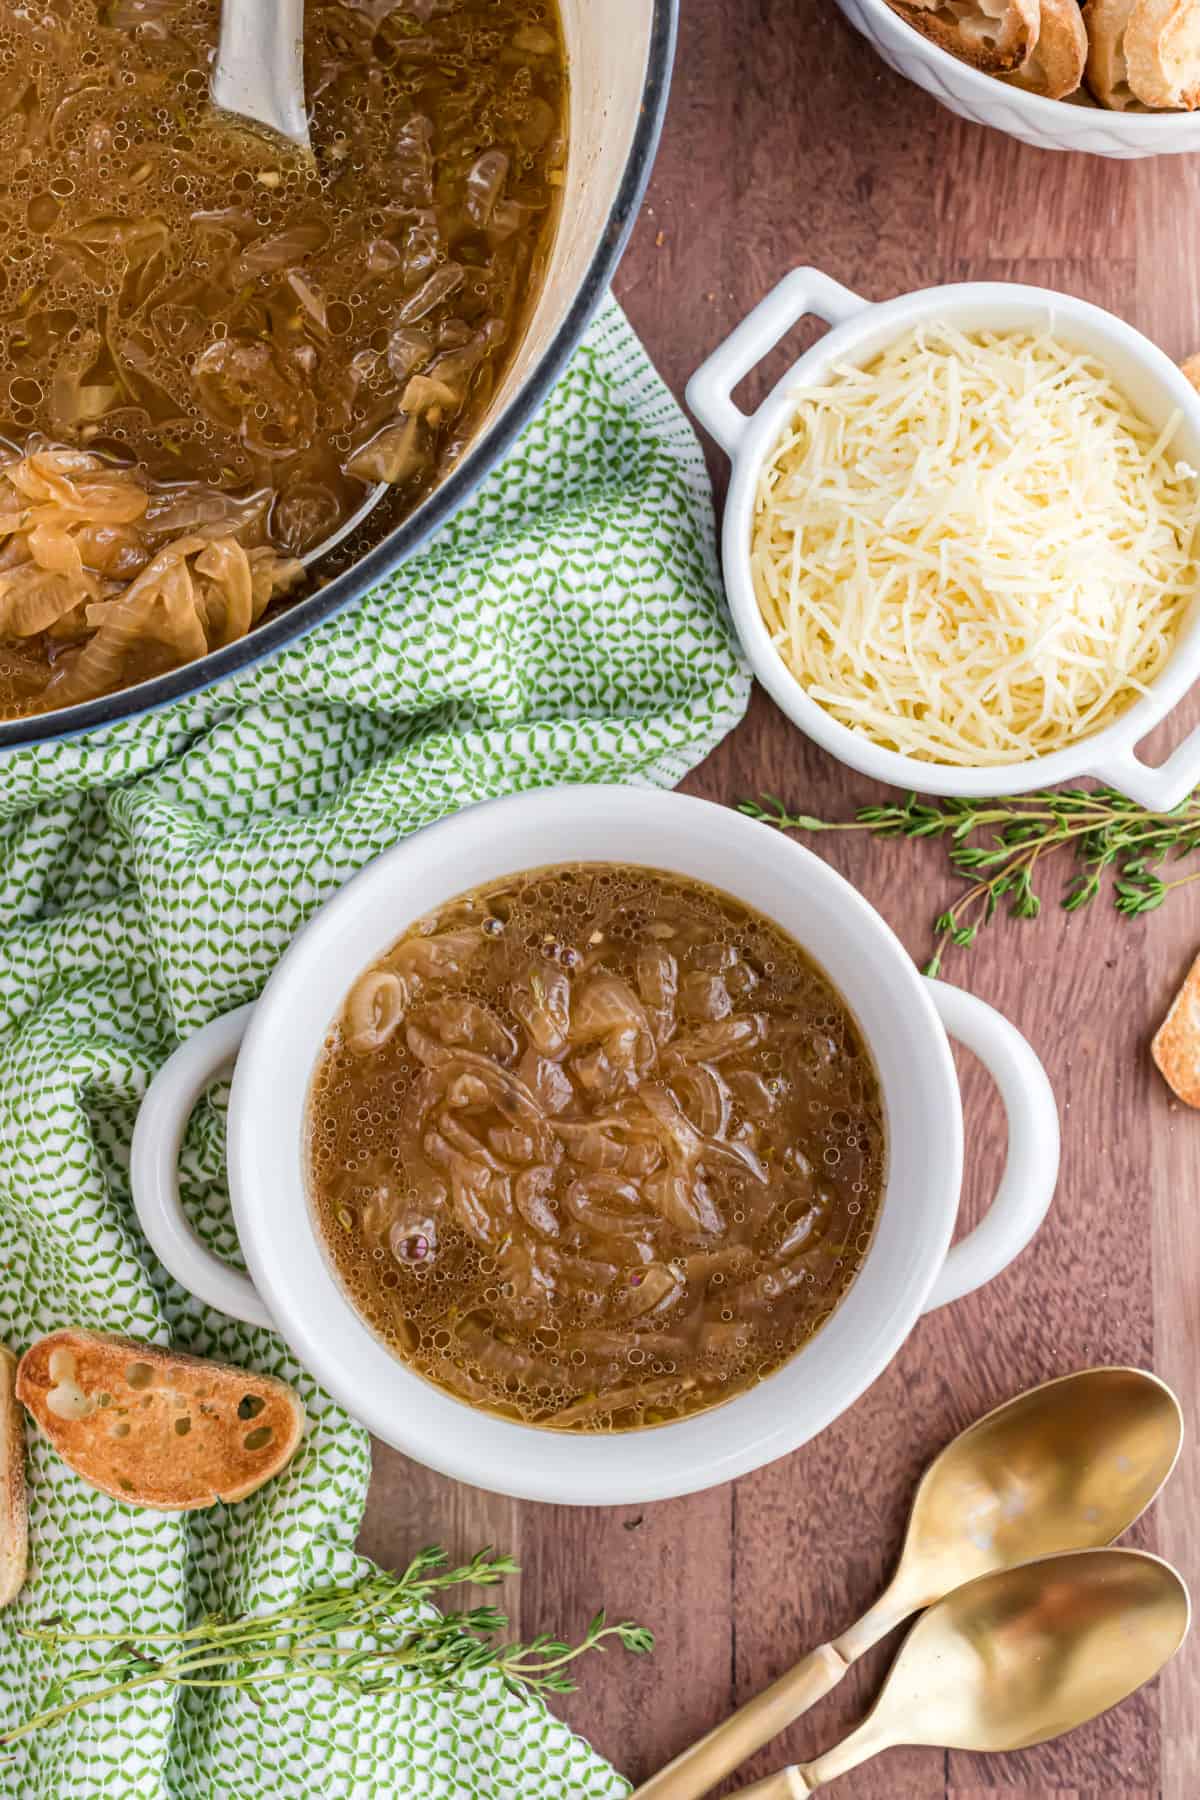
(695, 1771)
(787, 1784)
(700, 1768)
(801, 1779)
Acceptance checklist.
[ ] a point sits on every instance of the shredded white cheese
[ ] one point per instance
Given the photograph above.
(974, 550)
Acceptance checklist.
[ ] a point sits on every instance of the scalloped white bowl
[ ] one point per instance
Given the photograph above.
(1047, 124)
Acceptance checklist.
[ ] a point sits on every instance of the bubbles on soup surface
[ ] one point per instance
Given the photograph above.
(564, 1195)
(186, 293)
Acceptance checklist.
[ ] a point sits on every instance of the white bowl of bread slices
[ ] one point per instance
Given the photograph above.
(1115, 78)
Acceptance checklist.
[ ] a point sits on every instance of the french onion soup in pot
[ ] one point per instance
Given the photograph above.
(215, 348)
(595, 1147)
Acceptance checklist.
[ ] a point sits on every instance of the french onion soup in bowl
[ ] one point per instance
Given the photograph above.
(596, 1147)
(596, 1117)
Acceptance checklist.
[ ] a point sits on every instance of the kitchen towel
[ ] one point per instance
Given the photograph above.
(565, 627)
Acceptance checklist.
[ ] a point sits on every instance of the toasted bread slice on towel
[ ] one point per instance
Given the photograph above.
(997, 36)
(156, 1428)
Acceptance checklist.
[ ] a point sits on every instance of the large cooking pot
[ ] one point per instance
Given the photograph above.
(620, 54)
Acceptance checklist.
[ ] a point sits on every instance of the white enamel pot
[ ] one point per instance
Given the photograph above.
(909, 1269)
(620, 54)
(860, 330)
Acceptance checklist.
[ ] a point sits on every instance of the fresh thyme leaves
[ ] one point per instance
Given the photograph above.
(1001, 846)
(360, 1637)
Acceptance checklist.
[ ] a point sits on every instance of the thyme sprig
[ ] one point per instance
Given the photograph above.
(359, 1637)
(1000, 847)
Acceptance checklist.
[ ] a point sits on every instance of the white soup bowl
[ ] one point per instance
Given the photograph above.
(909, 1268)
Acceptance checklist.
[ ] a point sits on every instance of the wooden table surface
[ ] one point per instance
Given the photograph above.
(788, 142)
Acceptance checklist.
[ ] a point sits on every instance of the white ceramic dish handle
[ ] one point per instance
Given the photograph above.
(803, 293)
(154, 1169)
(1161, 789)
(1031, 1169)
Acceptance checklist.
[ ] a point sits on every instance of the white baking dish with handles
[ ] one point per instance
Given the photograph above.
(911, 1265)
(859, 330)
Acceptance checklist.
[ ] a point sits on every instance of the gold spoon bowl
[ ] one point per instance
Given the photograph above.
(1013, 1659)
(1067, 1466)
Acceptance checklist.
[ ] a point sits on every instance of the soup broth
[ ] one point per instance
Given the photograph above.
(239, 339)
(595, 1148)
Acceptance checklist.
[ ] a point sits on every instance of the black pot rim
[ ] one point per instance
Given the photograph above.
(446, 500)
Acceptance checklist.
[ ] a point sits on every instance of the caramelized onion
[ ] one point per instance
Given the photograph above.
(89, 557)
(284, 250)
(374, 1011)
(399, 453)
(432, 293)
(630, 1213)
(229, 322)
(485, 184)
(542, 1004)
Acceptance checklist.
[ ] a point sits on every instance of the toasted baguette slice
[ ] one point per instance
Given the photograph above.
(1191, 368)
(1105, 22)
(1162, 52)
(1056, 64)
(14, 1518)
(1176, 1047)
(156, 1428)
(997, 36)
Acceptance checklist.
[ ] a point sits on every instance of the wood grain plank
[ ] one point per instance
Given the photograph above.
(409, 1507)
(1169, 309)
(1002, 204)
(1174, 1153)
(1047, 1793)
(670, 1566)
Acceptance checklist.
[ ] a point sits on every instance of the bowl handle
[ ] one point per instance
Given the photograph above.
(1031, 1170)
(802, 292)
(1158, 790)
(154, 1169)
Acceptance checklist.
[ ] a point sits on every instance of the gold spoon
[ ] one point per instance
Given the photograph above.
(1013, 1659)
(1067, 1466)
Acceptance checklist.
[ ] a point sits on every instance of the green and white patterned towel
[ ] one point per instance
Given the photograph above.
(565, 627)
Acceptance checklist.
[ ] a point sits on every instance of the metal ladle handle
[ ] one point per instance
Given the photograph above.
(259, 75)
(260, 65)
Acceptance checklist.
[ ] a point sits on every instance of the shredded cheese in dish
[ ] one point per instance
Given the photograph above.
(974, 550)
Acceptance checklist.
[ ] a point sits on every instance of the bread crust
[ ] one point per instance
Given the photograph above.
(14, 1512)
(1191, 369)
(1107, 73)
(155, 1427)
(1176, 1046)
(996, 36)
(1056, 64)
(1162, 52)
